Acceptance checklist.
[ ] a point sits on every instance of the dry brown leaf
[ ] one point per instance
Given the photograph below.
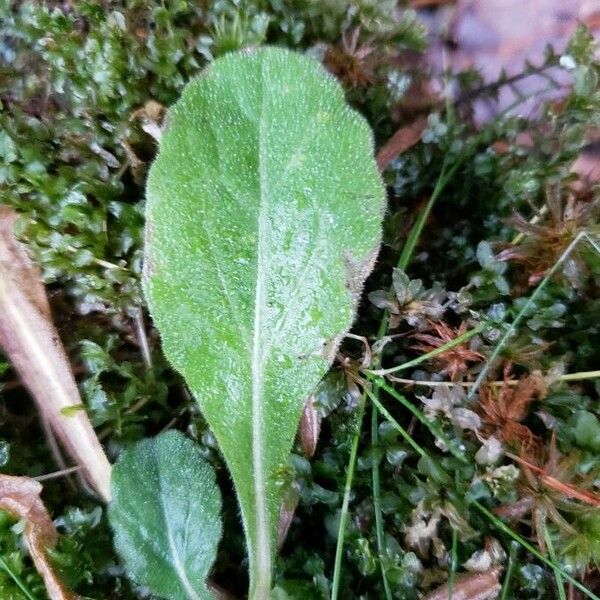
(406, 137)
(20, 496)
(32, 344)
(286, 513)
(474, 586)
(308, 436)
(310, 428)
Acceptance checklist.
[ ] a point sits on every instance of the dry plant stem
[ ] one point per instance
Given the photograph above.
(32, 344)
(99, 261)
(20, 497)
(57, 474)
(55, 449)
(535, 219)
(580, 376)
(53, 444)
(140, 331)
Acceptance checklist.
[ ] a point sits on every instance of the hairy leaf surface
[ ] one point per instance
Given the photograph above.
(263, 220)
(166, 516)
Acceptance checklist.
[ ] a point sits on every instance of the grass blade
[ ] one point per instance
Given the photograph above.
(423, 418)
(457, 341)
(560, 585)
(339, 549)
(16, 579)
(377, 503)
(514, 548)
(530, 548)
(453, 562)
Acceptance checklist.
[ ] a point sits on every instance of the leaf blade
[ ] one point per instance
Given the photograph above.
(269, 180)
(165, 515)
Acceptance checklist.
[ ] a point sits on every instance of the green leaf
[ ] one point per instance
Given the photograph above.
(587, 430)
(8, 148)
(264, 214)
(165, 515)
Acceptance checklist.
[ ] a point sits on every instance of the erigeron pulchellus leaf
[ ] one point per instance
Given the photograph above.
(264, 211)
(166, 516)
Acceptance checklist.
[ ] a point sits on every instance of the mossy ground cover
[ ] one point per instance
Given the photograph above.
(490, 228)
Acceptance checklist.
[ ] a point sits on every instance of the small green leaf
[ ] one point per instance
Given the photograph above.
(165, 515)
(587, 430)
(264, 215)
(8, 148)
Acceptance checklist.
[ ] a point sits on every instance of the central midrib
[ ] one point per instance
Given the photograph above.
(263, 550)
(178, 563)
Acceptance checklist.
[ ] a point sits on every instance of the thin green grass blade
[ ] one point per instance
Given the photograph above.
(407, 437)
(339, 549)
(500, 525)
(457, 341)
(16, 579)
(377, 503)
(521, 314)
(453, 563)
(512, 559)
(433, 427)
(560, 585)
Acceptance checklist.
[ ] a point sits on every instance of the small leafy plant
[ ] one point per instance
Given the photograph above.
(470, 470)
(263, 175)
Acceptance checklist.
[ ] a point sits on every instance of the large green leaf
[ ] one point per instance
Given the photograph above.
(263, 220)
(166, 516)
